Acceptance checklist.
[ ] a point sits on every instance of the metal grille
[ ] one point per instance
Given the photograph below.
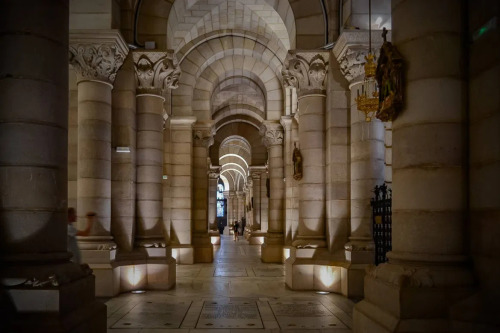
(382, 222)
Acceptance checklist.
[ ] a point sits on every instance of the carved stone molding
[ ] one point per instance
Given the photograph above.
(203, 134)
(351, 49)
(156, 71)
(213, 175)
(272, 134)
(306, 71)
(97, 55)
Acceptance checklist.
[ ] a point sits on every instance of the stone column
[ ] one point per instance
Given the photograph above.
(227, 196)
(213, 178)
(307, 72)
(96, 59)
(240, 203)
(202, 140)
(182, 187)
(256, 198)
(155, 72)
(428, 269)
(33, 177)
(286, 122)
(272, 249)
(367, 156)
(264, 201)
(124, 168)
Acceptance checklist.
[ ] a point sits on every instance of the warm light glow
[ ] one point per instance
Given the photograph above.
(175, 254)
(286, 253)
(135, 275)
(328, 276)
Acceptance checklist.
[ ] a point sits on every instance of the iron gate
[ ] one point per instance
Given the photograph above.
(382, 222)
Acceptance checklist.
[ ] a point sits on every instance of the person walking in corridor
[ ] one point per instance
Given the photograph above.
(235, 230)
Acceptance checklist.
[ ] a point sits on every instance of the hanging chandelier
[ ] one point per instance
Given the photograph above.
(367, 100)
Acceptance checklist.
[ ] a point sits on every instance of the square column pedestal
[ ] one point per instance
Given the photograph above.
(144, 268)
(107, 275)
(315, 269)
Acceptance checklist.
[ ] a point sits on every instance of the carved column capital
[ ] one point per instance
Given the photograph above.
(155, 71)
(272, 133)
(213, 174)
(351, 49)
(306, 71)
(249, 182)
(97, 55)
(203, 134)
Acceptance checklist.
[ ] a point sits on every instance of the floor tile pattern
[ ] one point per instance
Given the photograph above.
(237, 293)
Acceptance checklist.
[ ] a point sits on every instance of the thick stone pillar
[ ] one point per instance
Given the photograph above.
(286, 122)
(272, 249)
(311, 90)
(428, 269)
(256, 198)
(306, 71)
(124, 167)
(155, 72)
(182, 187)
(366, 157)
(33, 177)
(202, 140)
(213, 178)
(264, 201)
(240, 203)
(96, 59)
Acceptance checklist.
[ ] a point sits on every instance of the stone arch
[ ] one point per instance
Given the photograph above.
(271, 18)
(198, 89)
(246, 130)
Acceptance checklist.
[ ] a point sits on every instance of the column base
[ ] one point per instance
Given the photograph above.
(65, 306)
(314, 269)
(272, 249)
(107, 275)
(256, 237)
(203, 248)
(410, 298)
(214, 237)
(183, 254)
(146, 269)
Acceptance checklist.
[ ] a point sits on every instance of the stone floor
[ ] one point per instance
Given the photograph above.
(236, 293)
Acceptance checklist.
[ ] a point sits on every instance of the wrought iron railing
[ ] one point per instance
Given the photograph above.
(382, 222)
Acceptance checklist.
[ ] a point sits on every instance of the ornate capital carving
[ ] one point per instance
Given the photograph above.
(203, 135)
(155, 71)
(306, 71)
(350, 51)
(213, 174)
(97, 55)
(352, 64)
(272, 133)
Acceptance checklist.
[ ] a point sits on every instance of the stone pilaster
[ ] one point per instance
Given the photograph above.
(367, 153)
(240, 203)
(264, 200)
(213, 178)
(286, 122)
(202, 140)
(256, 198)
(181, 134)
(428, 269)
(96, 57)
(272, 249)
(33, 178)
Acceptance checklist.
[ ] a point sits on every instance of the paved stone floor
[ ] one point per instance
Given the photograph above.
(236, 293)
